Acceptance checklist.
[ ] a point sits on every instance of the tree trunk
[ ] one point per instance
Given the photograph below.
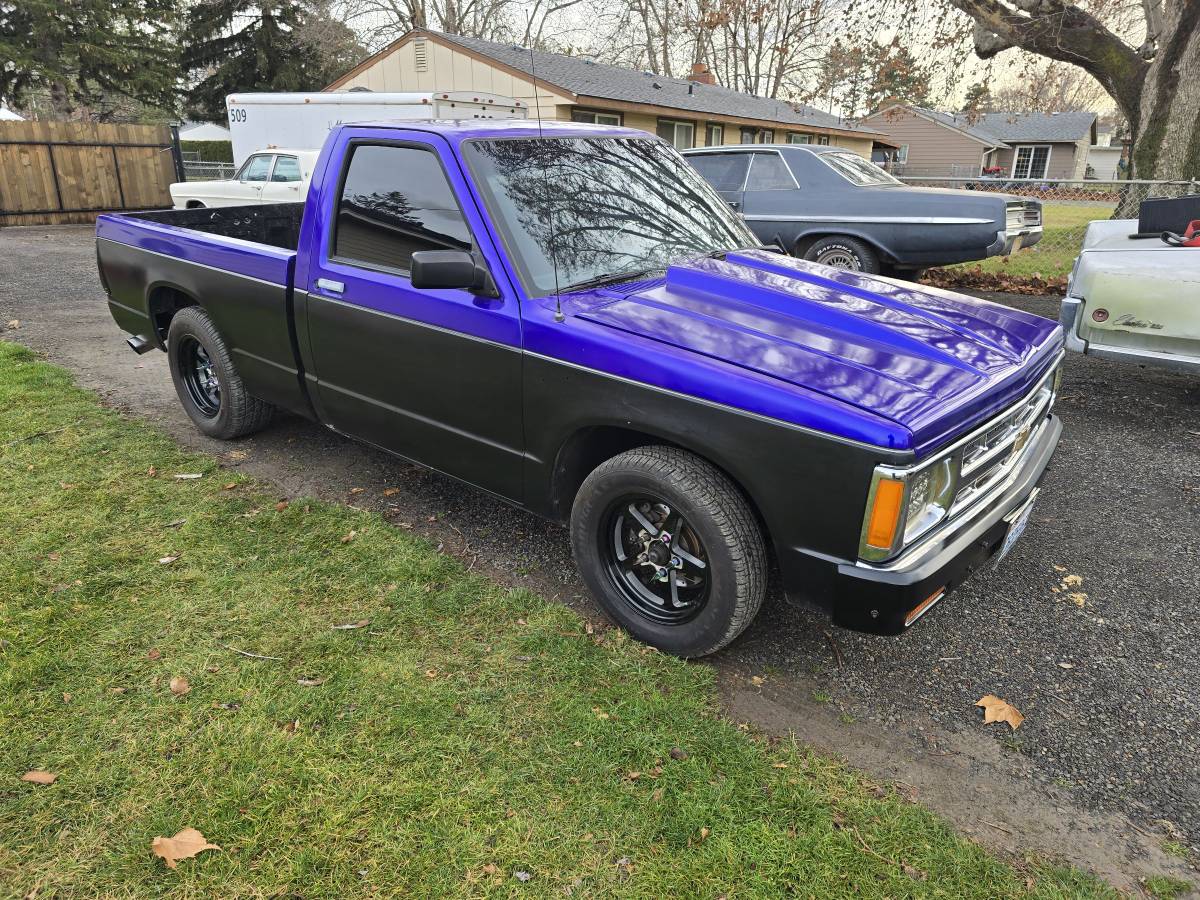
(1166, 133)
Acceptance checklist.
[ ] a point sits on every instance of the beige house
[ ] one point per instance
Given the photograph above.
(1020, 146)
(689, 112)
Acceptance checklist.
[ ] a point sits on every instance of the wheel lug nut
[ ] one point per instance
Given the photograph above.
(676, 562)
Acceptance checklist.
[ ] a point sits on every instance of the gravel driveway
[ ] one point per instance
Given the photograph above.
(1089, 627)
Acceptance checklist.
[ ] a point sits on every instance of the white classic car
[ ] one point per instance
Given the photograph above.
(268, 176)
(1131, 299)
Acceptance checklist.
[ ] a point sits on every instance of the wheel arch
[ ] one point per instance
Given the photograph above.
(163, 301)
(590, 446)
(806, 240)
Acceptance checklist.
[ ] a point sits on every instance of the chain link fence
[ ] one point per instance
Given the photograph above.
(196, 170)
(1067, 208)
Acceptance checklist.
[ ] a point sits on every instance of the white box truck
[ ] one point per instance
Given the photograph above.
(301, 121)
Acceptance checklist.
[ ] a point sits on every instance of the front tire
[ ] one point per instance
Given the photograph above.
(206, 380)
(844, 253)
(671, 550)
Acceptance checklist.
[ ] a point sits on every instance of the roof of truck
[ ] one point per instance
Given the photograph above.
(456, 130)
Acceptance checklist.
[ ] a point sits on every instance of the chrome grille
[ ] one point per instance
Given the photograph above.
(1022, 214)
(991, 455)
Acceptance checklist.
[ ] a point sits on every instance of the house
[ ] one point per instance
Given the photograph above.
(690, 112)
(1108, 158)
(203, 131)
(7, 115)
(1015, 146)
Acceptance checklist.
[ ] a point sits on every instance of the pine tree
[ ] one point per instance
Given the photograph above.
(250, 45)
(81, 51)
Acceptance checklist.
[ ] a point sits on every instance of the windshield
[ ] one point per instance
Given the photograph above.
(601, 207)
(856, 169)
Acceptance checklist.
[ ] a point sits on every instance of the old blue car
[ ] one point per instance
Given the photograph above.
(831, 206)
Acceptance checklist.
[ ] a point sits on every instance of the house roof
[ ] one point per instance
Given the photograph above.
(587, 78)
(1049, 127)
(968, 125)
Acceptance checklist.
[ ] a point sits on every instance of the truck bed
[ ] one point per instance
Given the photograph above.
(237, 262)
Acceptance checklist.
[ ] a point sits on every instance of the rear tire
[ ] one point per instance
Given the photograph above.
(206, 380)
(671, 550)
(844, 253)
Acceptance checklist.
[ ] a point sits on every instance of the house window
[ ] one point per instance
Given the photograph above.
(823, 140)
(797, 138)
(766, 136)
(595, 118)
(714, 135)
(682, 135)
(1031, 161)
(747, 136)
(901, 155)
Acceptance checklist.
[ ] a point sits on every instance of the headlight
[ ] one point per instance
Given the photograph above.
(905, 504)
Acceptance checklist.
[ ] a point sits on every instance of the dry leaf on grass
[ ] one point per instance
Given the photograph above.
(39, 777)
(311, 682)
(350, 626)
(997, 710)
(390, 492)
(180, 686)
(153, 653)
(230, 486)
(281, 506)
(167, 560)
(190, 476)
(347, 538)
(184, 845)
(357, 490)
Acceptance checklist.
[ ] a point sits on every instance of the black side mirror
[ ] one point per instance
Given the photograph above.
(451, 269)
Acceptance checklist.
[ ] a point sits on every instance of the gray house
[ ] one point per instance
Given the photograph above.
(1016, 146)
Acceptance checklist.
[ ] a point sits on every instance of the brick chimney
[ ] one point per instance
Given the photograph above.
(701, 74)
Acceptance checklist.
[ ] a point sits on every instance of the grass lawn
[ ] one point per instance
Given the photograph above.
(461, 738)
(1062, 235)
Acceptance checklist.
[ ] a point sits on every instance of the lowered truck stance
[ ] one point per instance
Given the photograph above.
(570, 318)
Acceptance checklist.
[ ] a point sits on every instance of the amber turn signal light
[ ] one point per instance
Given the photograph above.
(885, 513)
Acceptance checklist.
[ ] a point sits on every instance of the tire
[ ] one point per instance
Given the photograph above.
(706, 520)
(844, 253)
(207, 381)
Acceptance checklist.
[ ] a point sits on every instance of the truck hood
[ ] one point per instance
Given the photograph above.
(934, 362)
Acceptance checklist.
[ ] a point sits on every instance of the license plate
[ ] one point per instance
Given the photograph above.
(1016, 527)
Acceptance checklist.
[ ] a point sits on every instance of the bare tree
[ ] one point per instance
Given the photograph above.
(1048, 86)
(1151, 70)
(521, 21)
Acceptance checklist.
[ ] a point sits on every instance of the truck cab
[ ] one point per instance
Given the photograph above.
(568, 317)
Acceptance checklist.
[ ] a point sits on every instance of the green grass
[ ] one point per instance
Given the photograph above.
(1063, 225)
(465, 734)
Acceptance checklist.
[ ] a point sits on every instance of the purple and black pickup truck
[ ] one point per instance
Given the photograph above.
(568, 317)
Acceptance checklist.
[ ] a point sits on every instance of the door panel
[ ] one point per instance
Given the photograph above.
(432, 375)
(284, 186)
(724, 171)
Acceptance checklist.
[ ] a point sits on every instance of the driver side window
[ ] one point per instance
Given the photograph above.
(257, 168)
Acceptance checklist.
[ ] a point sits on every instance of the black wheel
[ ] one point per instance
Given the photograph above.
(206, 380)
(670, 548)
(844, 253)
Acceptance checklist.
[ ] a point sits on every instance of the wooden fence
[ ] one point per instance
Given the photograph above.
(53, 173)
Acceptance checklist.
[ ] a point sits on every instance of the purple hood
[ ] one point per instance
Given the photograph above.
(931, 361)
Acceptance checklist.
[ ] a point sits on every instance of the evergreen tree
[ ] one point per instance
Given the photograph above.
(250, 45)
(79, 52)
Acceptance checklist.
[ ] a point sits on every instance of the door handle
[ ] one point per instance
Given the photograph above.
(330, 287)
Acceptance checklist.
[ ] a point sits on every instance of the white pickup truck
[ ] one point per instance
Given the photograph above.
(1136, 300)
(270, 176)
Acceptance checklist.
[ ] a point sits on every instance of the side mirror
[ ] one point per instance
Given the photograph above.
(451, 269)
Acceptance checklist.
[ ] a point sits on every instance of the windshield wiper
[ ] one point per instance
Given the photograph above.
(721, 254)
(611, 278)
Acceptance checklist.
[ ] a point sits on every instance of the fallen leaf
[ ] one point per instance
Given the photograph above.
(281, 506)
(175, 524)
(117, 690)
(521, 876)
(230, 486)
(347, 538)
(431, 673)
(390, 492)
(779, 765)
(634, 776)
(184, 845)
(997, 710)
(311, 682)
(167, 560)
(678, 753)
(189, 476)
(361, 623)
(1072, 580)
(68, 697)
(1066, 665)
(39, 777)
(180, 686)
(152, 471)
(292, 727)
(14, 324)
(600, 714)
(357, 490)
(758, 681)
(657, 795)
(704, 833)
(153, 653)
(1078, 598)
(491, 869)
(1058, 568)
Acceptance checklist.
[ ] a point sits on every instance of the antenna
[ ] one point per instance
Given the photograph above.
(537, 105)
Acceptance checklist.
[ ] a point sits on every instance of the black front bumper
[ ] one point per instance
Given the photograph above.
(879, 599)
